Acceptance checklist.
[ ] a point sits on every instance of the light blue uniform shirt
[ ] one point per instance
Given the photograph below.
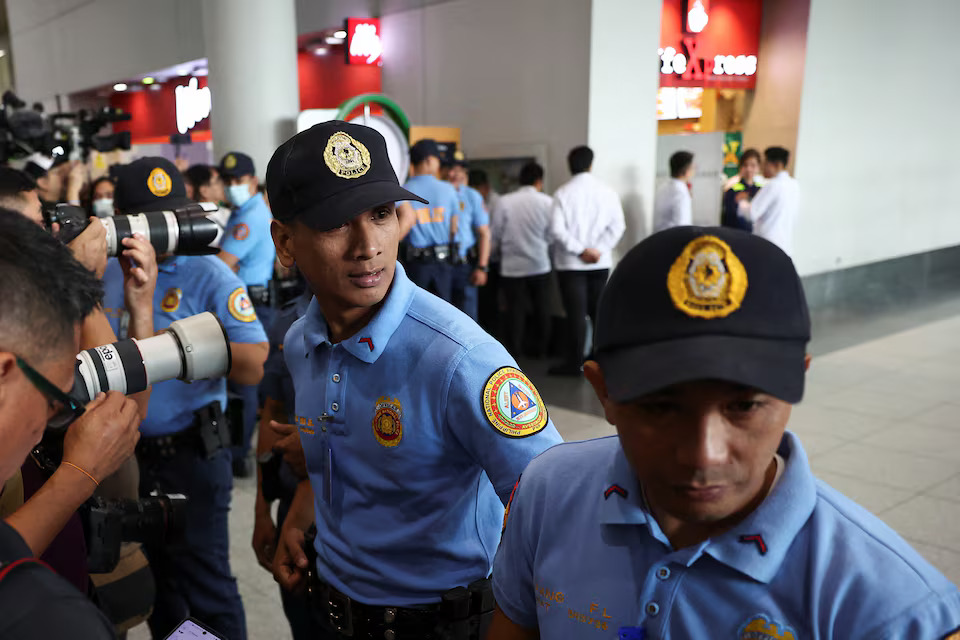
(186, 286)
(473, 214)
(248, 238)
(433, 220)
(408, 472)
(582, 557)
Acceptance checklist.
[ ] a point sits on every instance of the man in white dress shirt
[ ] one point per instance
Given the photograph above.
(586, 224)
(774, 209)
(521, 233)
(673, 206)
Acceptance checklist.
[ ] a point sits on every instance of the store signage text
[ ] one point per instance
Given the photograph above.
(363, 41)
(691, 66)
(193, 105)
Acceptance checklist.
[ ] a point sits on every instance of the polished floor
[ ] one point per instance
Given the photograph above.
(880, 422)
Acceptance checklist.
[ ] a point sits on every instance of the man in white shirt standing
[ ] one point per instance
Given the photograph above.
(521, 233)
(586, 223)
(774, 209)
(673, 206)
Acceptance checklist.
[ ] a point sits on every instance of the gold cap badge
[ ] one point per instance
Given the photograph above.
(230, 161)
(346, 157)
(707, 280)
(159, 182)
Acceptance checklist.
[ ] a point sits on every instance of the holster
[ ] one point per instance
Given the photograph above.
(213, 429)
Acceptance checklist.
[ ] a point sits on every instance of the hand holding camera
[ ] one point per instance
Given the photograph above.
(104, 436)
(90, 248)
(139, 263)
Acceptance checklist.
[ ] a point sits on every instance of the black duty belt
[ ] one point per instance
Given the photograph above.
(352, 619)
(208, 433)
(437, 253)
(259, 295)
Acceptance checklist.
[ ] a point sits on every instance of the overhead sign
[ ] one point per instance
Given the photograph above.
(193, 105)
(363, 41)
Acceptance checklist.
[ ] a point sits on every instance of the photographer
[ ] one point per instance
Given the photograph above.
(47, 294)
(185, 446)
(18, 192)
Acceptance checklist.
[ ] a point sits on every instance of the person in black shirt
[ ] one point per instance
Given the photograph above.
(743, 188)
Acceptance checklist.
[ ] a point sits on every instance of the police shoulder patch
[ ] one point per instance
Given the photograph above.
(241, 231)
(513, 405)
(171, 299)
(240, 307)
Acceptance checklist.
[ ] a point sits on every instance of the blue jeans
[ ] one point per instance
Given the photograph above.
(465, 295)
(435, 277)
(193, 575)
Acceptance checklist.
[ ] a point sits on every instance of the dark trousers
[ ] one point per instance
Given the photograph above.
(250, 396)
(303, 621)
(465, 295)
(489, 303)
(436, 277)
(523, 295)
(193, 575)
(580, 293)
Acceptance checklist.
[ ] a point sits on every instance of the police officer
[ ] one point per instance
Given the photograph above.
(472, 240)
(428, 250)
(184, 448)
(703, 520)
(248, 249)
(414, 422)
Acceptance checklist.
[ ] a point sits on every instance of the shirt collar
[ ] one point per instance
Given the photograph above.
(371, 341)
(255, 201)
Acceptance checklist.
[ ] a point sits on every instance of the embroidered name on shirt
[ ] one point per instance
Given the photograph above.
(547, 598)
(599, 622)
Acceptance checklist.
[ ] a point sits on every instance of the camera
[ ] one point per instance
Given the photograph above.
(191, 230)
(153, 521)
(193, 348)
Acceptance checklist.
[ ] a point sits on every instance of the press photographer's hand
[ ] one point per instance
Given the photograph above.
(139, 263)
(104, 436)
(90, 247)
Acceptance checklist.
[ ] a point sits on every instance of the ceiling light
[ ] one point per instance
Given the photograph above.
(333, 40)
(2, 53)
(202, 71)
(319, 51)
(156, 87)
(120, 86)
(340, 34)
(148, 80)
(183, 71)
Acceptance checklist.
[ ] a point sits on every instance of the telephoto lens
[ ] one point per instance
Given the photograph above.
(188, 231)
(193, 348)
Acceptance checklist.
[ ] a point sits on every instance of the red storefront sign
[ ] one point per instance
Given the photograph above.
(722, 54)
(363, 41)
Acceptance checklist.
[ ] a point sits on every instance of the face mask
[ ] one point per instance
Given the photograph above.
(103, 207)
(238, 194)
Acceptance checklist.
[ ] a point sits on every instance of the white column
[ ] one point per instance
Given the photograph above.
(622, 128)
(251, 50)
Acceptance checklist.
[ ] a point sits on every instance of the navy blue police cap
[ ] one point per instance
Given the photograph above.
(148, 184)
(236, 164)
(695, 303)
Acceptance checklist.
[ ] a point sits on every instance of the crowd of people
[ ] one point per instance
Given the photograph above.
(421, 488)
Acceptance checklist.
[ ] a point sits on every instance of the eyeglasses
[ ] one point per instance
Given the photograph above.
(66, 409)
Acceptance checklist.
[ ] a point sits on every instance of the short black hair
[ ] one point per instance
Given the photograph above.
(777, 154)
(96, 183)
(531, 173)
(46, 293)
(679, 163)
(749, 153)
(580, 159)
(13, 183)
(199, 175)
(478, 178)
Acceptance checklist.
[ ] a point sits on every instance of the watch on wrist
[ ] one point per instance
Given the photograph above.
(484, 269)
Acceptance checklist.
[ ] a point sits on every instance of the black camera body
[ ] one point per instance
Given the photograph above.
(107, 524)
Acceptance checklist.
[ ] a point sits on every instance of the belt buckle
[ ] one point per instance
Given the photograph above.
(340, 613)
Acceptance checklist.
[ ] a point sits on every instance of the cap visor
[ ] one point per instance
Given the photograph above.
(166, 204)
(345, 205)
(773, 366)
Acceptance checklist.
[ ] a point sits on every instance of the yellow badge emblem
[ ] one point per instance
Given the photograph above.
(707, 280)
(230, 161)
(388, 421)
(171, 300)
(159, 182)
(240, 307)
(760, 627)
(513, 405)
(346, 157)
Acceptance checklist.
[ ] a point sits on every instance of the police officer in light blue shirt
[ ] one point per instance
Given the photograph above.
(703, 519)
(428, 245)
(184, 444)
(414, 422)
(472, 239)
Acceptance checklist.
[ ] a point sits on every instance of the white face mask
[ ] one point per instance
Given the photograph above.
(238, 194)
(103, 207)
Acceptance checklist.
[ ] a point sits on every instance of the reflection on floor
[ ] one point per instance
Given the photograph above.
(879, 423)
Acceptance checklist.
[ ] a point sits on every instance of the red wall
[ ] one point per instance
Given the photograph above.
(325, 82)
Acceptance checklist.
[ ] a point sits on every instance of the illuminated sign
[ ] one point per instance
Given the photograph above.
(696, 17)
(363, 41)
(193, 105)
(673, 62)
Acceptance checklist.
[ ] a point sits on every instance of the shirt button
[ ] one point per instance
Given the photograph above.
(663, 573)
(336, 377)
(653, 608)
(335, 406)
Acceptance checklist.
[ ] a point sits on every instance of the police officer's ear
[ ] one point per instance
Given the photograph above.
(594, 375)
(283, 241)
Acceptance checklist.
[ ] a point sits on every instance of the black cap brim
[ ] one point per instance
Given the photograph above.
(167, 204)
(347, 204)
(776, 367)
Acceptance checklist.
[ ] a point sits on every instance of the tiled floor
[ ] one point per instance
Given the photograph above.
(880, 422)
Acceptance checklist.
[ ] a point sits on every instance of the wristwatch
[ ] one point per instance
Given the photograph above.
(484, 269)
